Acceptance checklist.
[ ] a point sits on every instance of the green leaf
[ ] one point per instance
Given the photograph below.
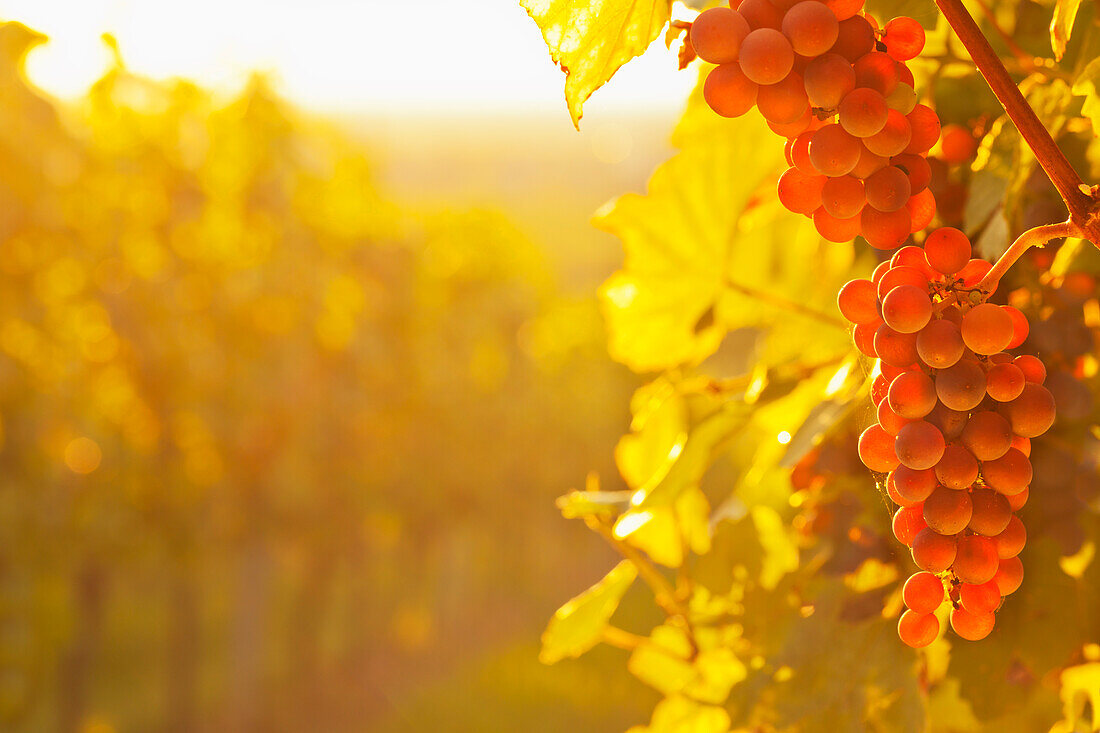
(1061, 25)
(578, 625)
(591, 39)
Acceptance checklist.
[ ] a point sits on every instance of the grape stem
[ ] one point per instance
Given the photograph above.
(1035, 237)
(1080, 198)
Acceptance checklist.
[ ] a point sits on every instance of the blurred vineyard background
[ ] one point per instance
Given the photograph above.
(285, 402)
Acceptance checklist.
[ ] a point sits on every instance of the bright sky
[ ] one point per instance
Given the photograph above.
(382, 56)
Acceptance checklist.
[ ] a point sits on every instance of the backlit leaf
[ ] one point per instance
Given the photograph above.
(1061, 25)
(591, 39)
(578, 625)
(677, 714)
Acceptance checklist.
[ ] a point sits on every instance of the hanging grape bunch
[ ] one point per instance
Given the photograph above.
(956, 414)
(825, 77)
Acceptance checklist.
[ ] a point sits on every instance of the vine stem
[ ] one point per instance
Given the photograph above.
(1035, 237)
(1078, 196)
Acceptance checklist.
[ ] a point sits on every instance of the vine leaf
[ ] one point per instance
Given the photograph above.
(1061, 25)
(591, 39)
(678, 714)
(578, 625)
(1087, 85)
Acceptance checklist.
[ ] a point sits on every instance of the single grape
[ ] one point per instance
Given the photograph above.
(919, 172)
(925, 129)
(1011, 541)
(833, 151)
(876, 449)
(894, 136)
(863, 335)
(1032, 413)
(885, 230)
(922, 209)
(792, 130)
(888, 189)
(912, 485)
(948, 250)
(1017, 501)
(907, 309)
(835, 229)
(919, 445)
(717, 33)
(798, 192)
(957, 469)
(903, 98)
(784, 101)
(1004, 382)
(991, 512)
(811, 27)
(918, 630)
(895, 349)
(1009, 576)
(844, 9)
(857, 301)
(1010, 474)
(907, 522)
(843, 196)
(961, 386)
(987, 435)
(868, 163)
(766, 56)
(948, 511)
(855, 38)
(877, 71)
(828, 78)
(932, 551)
(904, 38)
(912, 395)
(980, 599)
(1033, 369)
(976, 558)
(971, 627)
(899, 275)
(728, 91)
(862, 112)
(986, 328)
(923, 592)
(957, 144)
(1020, 327)
(940, 344)
(890, 421)
(760, 14)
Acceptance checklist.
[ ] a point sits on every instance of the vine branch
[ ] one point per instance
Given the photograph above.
(1034, 237)
(1077, 195)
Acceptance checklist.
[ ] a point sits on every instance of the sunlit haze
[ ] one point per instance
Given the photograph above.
(372, 56)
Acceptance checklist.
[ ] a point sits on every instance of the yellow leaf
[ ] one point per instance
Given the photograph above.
(1081, 686)
(678, 714)
(1061, 25)
(658, 433)
(578, 625)
(591, 39)
(780, 551)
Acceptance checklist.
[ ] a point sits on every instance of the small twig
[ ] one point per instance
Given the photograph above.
(663, 592)
(1079, 197)
(616, 637)
(1035, 237)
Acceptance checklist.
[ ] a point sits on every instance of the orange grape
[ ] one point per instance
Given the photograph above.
(785, 101)
(1010, 474)
(924, 125)
(888, 189)
(958, 144)
(728, 91)
(1034, 370)
(918, 630)
(1017, 501)
(919, 445)
(1010, 574)
(855, 38)
(1011, 541)
(961, 386)
(894, 136)
(828, 78)
(933, 551)
(912, 485)
(1004, 382)
(835, 229)
(876, 449)
(766, 56)
(843, 197)
(885, 230)
(970, 626)
(857, 301)
(987, 435)
(940, 344)
(991, 512)
(898, 275)
(863, 335)
(922, 209)
(948, 511)
(948, 250)
(868, 163)
(811, 27)
(976, 559)
(920, 173)
(986, 328)
(1032, 413)
(923, 592)
(980, 599)
(760, 14)
(1020, 327)
(798, 192)
(862, 112)
(833, 151)
(908, 520)
(877, 71)
(957, 469)
(890, 421)
(717, 33)
(912, 395)
(907, 309)
(895, 349)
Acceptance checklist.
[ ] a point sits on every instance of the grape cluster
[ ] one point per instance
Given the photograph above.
(956, 415)
(833, 83)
